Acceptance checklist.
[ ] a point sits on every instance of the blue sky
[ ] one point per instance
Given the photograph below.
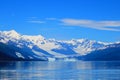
(63, 19)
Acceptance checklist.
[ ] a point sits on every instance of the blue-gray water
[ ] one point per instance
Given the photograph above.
(60, 70)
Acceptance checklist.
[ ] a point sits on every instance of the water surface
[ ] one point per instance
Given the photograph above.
(60, 70)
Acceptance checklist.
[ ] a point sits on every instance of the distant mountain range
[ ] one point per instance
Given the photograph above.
(14, 46)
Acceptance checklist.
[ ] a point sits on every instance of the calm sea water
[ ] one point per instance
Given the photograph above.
(60, 70)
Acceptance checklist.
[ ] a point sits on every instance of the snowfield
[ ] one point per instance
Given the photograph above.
(50, 48)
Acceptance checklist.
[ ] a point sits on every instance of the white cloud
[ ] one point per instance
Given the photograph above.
(36, 21)
(50, 18)
(100, 25)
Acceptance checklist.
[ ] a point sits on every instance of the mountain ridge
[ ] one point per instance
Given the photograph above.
(50, 48)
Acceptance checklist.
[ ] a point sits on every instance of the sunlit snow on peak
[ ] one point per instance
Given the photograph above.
(11, 33)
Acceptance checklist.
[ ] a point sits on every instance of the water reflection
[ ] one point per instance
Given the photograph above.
(59, 70)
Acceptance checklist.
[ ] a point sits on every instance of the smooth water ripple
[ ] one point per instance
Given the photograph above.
(60, 70)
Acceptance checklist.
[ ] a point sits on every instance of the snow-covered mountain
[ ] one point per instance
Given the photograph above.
(37, 47)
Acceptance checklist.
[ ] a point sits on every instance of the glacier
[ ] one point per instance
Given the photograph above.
(26, 47)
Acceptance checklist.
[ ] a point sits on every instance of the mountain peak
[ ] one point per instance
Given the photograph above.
(12, 30)
(33, 38)
(11, 33)
(38, 45)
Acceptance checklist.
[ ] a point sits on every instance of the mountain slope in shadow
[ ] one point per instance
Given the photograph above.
(109, 54)
(9, 52)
